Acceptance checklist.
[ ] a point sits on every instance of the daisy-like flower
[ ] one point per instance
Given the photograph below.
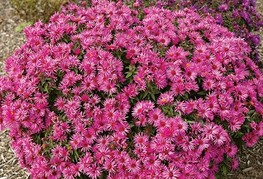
(171, 173)
(141, 140)
(70, 79)
(155, 115)
(202, 143)
(142, 108)
(205, 112)
(165, 98)
(250, 139)
(134, 166)
(110, 165)
(234, 164)
(173, 72)
(175, 53)
(164, 40)
(93, 171)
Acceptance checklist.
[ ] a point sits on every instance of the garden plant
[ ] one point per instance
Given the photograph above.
(117, 91)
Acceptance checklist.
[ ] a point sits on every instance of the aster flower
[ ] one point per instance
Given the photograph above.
(171, 173)
(176, 53)
(165, 99)
(142, 108)
(234, 164)
(250, 139)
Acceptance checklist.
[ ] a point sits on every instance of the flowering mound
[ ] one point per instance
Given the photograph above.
(107, 91)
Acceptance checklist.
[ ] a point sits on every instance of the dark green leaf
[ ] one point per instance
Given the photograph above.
(202, 93)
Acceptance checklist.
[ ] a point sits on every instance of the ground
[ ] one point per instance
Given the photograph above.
(251, 159)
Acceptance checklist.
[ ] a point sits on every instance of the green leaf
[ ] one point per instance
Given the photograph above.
(238, 134)
(144, 95)
(153, 96)
(132, 125)
(185, 96)
(129, 74)
(202, 93)
(132, 68)
(224, 170)
(251, 112)
(45, 88)
(199, 80)
(20, 27)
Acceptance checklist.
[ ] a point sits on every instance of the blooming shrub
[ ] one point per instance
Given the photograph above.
(101, 92)
(239, 16)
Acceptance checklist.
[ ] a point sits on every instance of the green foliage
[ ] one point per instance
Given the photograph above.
(168, 110)
(22, 25)
(34, 10)
(224, 168)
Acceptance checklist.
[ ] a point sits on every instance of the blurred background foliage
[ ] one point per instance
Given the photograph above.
(34, 10)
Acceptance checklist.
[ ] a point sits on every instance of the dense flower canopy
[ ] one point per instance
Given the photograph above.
(239, 16)
(113, 91)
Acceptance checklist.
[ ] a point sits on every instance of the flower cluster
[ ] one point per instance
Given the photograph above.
(239, 16)
(105, 92)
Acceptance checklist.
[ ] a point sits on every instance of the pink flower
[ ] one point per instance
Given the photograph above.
(250, 139)
(155, 115)
(93, 171)
(110, 165)
(234, 164)
(170, 173)
(175, 53)
(142, 108)
(130, 90)
(178, 88)
(232, 150)
(236, 122)
(202, 144)
(134, 166)
(88, 84)
(204, 111)
(173, 72)
(141, 140)
(208, 84)
(165, 99)
(164, 40)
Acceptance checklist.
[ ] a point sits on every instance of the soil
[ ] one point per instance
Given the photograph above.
(251, 159)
